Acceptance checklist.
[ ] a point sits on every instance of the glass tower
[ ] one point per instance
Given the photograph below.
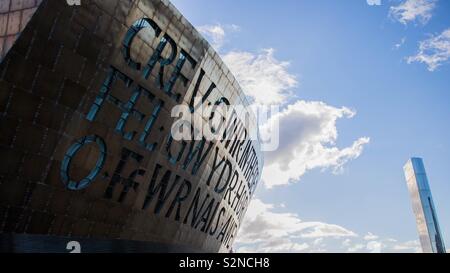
(423, 207)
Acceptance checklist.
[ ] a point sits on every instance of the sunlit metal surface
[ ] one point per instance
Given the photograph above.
(423, 207)
(86, 148)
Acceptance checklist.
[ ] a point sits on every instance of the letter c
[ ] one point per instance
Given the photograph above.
(129, 36)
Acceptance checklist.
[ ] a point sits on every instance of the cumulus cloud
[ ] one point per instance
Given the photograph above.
(266, 229)
(263, 78)
(374, 246)
(369, 236)
(373, 2)
(307, 135)
(412, 10)
(260, 218)
(216, 33)
(433, 51)
(307, 129)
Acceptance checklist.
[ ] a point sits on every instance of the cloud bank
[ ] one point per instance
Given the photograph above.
(308, 135)
(264, 229)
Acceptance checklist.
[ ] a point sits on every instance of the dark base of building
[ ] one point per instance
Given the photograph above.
(27, 243)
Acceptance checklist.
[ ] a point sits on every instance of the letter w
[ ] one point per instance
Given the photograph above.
(161, 187)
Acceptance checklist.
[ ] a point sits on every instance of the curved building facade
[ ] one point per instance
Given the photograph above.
(88, 156)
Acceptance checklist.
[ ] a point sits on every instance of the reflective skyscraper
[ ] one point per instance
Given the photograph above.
(423, 207)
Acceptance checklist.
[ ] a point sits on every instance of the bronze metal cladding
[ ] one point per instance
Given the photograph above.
(86, 153)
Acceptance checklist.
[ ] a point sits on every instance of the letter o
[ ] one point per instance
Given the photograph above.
(71, 152)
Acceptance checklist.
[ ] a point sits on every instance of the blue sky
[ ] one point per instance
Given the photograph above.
(369, 85)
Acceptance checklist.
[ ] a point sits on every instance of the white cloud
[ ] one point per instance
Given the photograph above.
(318, 241)
(346, 242)
(369, 236)
(408, 246)
(307, 128)
(262, 77)
(307, 141)
(356, 248)
(412, 10)
(373, 2)
(261, 217)
(374, 246)
(434, 51)
(215, 34)
(400, 43)
(266, 229)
